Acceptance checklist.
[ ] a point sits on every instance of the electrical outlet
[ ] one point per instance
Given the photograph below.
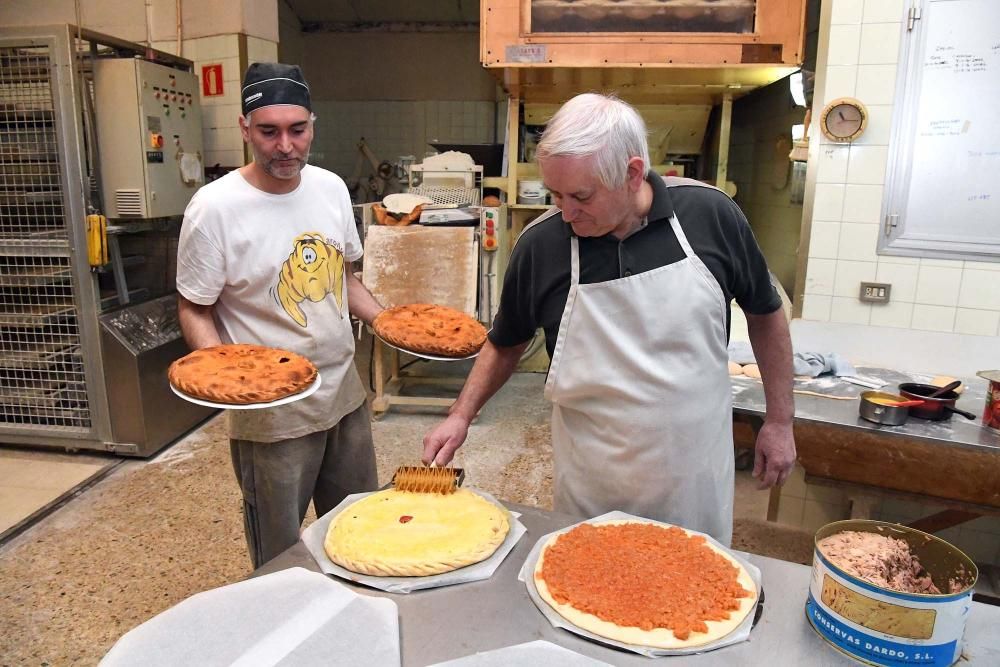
(875, 292)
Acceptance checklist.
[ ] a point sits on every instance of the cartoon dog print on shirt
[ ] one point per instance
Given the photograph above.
(312, 271)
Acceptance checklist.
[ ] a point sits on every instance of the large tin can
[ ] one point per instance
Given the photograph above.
(880, 626)
(991, 413)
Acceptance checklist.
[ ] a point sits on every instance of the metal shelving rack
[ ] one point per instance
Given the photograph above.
(54, 389)
(48, 299)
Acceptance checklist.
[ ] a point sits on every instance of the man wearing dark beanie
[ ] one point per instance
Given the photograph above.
(265, 257)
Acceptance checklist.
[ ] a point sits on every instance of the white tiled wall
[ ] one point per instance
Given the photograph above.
(932, 295)
(927, 294)
(223, 143)
(811, 506)
(391, 128)
(394, 128)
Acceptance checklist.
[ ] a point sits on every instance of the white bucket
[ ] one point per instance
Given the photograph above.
(531, 192)
(880, 626)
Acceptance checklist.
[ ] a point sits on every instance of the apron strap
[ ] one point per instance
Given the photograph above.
(574, 261)
(574, 288)
(675, 225)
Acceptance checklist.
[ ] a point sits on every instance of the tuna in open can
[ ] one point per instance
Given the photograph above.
(991, 413)
(877, 623)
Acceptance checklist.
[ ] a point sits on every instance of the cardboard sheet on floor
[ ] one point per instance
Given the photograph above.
(419, 264)
(293, 617)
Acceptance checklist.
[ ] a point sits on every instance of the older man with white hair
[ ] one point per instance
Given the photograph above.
(630, 278)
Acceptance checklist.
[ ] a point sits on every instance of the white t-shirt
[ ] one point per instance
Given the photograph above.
(275, 268)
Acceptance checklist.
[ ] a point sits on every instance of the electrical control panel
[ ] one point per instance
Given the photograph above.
(494, 248)
(149, 137)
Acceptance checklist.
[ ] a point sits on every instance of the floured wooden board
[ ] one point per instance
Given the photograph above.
(417, 264)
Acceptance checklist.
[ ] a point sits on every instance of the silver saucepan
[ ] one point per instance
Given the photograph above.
(885, 408)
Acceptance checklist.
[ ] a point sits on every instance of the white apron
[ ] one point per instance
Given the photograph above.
(642, 401)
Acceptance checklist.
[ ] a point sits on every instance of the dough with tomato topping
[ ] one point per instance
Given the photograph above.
(618, 572)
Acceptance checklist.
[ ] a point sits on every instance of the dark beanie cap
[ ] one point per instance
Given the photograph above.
(266, 84)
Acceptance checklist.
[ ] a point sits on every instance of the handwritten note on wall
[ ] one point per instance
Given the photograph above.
(948, 193)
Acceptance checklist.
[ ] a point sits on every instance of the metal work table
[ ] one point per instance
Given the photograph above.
(955, 463)
(748, 399)
(446, 623)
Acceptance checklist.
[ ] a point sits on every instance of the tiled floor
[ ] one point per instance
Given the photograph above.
(33, 480)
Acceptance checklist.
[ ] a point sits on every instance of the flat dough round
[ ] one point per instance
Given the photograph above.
(430, 329)
(241, 374)
(659, 637)
(395, 533)
(752, 370)
(735, 368)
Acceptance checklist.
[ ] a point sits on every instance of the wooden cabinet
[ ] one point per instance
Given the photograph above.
(685, 55)
(641, 33)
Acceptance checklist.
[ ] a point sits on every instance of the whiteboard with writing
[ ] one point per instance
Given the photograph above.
(943, 187)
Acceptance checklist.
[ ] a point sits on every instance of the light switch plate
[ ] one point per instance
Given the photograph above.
(875, 292)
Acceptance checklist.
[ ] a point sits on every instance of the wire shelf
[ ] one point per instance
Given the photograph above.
(447, 195)
(42, 377)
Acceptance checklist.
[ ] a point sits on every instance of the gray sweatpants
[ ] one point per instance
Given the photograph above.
(279, 478)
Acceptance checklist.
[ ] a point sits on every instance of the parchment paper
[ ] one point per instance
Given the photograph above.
(741, 633)
(530, 654)
(291, 617)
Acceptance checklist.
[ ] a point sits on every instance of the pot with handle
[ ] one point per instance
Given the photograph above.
(883, 408)
(938, 408)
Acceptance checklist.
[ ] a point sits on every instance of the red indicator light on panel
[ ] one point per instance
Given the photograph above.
(489, 231)
(490, 243)
(489, 223)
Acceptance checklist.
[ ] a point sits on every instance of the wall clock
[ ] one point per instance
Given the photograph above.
(843, 120)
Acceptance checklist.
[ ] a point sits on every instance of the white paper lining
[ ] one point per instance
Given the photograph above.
(292, 616)
(530, 654)
(315, 535)
(741, 633)
(426, 355)
(305, 393)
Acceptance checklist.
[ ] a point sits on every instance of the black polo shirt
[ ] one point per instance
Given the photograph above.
(537, 280)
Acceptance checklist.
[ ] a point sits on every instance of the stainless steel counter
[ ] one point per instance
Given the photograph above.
(447, 623)
(955, 462)
(748, 398)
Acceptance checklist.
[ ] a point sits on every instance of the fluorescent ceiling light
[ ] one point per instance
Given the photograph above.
(798, 93)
